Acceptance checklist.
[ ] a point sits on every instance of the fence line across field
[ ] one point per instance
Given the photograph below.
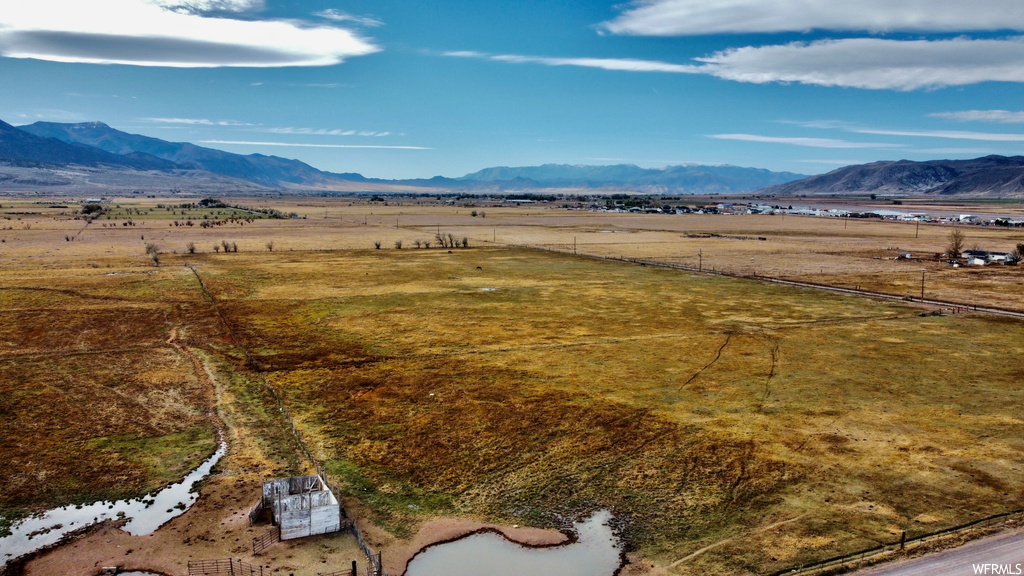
(374, 559)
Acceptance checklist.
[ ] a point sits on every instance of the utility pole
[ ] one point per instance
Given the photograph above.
(494, 234)
(573, 245)
(918, 228)
(922, 284)
(700, 259)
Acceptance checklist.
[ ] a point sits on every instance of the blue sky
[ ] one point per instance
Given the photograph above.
(412, 89)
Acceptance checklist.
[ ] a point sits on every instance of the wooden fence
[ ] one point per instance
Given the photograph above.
(255, 512)
(266, 540)
(225, 567)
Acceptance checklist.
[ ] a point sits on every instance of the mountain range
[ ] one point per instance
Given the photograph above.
(49, 154)
(989, 176)
(95, 145)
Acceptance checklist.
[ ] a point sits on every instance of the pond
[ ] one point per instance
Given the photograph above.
(596, 552)
(144, 515)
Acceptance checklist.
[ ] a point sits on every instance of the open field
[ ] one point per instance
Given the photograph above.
(729, 425)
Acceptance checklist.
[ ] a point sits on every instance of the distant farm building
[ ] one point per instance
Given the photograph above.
(983, 257)
(302, 506)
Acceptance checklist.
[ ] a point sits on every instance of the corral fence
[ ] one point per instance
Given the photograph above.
(266, 540)
(376, 567)
(225, 567)
(844, 563)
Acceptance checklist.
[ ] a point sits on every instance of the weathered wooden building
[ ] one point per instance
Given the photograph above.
(302, 506)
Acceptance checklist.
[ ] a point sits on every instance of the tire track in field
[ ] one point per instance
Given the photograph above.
(718, 356)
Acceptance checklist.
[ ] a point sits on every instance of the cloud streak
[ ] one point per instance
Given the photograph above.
(995, 116)
(339, 16)
(197, 121)
(808, 142)
(308, 145)
(169, 34)
(869, 63)
(326, 132)
(700, 17)
(949, 134)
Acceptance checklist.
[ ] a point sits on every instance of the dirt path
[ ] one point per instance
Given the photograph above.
(216, 526)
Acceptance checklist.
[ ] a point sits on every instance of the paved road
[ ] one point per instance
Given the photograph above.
(1005, 550)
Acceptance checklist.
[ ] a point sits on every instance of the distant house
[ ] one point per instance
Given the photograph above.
(983, 257)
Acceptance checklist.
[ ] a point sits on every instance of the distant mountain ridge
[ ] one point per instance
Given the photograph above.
(989, 176)
(686, 178)
(267, 170)
(95, 143)
(25, 149)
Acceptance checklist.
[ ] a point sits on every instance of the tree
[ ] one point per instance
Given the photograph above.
(377, 244)
(270, 246)
(956, 243)
(398, 244)
(216, 248)
(465, 242)
(191, 247)
(153, 252)
(418, 243)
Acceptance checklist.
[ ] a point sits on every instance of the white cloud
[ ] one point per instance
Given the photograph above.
(950, 134)
(874, 63)
(305, 145)
(208, 6)
(701, 17)
(870, 63)
(172, 34)
(339, 16)
(325, 132)
(619, 64)
(809, 142)
(197, 121)
(997, 116)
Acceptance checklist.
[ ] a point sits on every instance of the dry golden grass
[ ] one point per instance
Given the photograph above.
(697, 408)
(95, 403)
(701, 410)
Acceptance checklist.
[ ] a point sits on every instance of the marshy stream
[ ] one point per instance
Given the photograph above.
(595, 553)
(144, 514)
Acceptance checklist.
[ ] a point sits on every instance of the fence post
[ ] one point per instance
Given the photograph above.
(903, 540)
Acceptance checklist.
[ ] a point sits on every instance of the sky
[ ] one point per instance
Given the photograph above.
(401, 89)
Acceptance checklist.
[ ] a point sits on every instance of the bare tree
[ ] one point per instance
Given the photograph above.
(398, 244)
(418, 243)
(376, 244)
(154, 253)
(440, 239)
(426, 244)
(216, 248)
(191, 247)
(451, 240)
(226, 245)
(270, 246)
(465, 242)
(234, 247)
(956, 243)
